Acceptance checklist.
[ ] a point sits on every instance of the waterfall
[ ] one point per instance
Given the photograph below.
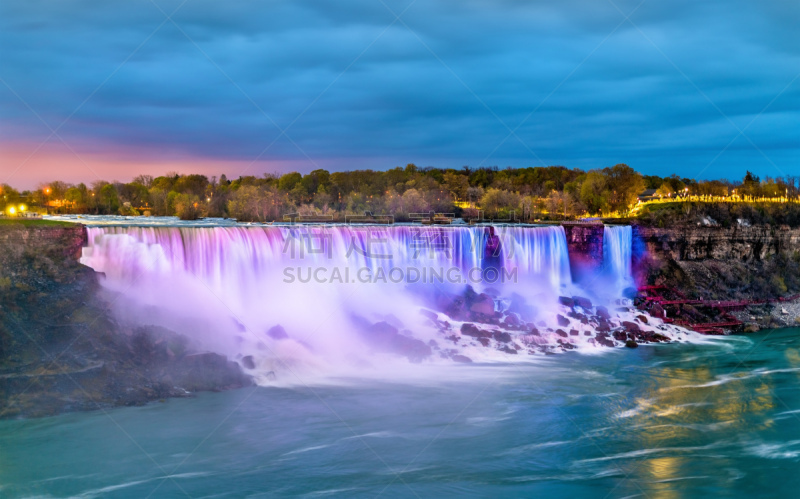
(230, 287)
(225, 256)
(617, 243)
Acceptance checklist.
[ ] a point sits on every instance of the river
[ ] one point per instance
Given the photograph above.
(675, 420)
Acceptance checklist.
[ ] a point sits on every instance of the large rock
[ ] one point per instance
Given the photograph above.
(384, 337)
(501, 337)
(468, 329)
(566, 301)
(602, 312)
(277, 333)
(484, 304)
(582, 302)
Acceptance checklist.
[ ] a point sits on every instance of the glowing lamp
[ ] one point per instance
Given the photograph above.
(22, 207)
(12, 210)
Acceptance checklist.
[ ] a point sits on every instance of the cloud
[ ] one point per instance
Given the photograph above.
(444, 86)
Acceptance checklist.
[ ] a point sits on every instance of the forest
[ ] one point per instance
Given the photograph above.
(537, 193)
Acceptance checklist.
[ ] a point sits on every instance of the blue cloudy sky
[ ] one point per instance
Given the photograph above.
(114, 88)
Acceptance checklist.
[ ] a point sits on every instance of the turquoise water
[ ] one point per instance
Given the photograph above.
(719, 419)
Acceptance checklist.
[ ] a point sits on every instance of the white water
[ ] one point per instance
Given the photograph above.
(617, 253)
(226, 287)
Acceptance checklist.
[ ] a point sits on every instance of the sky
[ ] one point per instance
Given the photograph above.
(94, 89)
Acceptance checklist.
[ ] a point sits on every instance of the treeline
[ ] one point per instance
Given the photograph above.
(553, 192)
(751, 186)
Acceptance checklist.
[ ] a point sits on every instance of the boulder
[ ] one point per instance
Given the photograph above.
(277, 333)
(468, 329)
(502, 337)
(566, 301)
(602, 312)
(631, 344)
(574, 332)
(484, 304)
(631, 326)
(562, 321)
(248, 362)
(561, 333)
(582, 302)
(512, 320)
(604, 340)
(657, 311)
(642, 318)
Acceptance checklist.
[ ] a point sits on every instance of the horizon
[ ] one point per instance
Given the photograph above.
(109, 91)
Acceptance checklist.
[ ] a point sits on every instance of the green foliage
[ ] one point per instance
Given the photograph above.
(32, 222)
(187, 206)
(108, 198)
(553, 192)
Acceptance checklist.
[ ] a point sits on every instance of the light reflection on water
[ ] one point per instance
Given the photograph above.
(667, 421)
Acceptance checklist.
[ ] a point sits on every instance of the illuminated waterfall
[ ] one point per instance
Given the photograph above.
(617, 243)
(229, 287)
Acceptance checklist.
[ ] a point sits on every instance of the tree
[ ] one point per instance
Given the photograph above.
(78, 197)
(457, 185)
(624, 186)
(750, 178)
(191, 184)
(108, 199)
(187, 206)
(500, 202)
(8, 196)
(413, 202)
(145, 180)
(287, 182)
(593, 192)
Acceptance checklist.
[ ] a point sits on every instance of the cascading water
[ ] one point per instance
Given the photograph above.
(329, 297)
(617, 254)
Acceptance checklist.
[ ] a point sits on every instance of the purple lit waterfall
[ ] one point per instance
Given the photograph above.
(617, 253)
(306, 292)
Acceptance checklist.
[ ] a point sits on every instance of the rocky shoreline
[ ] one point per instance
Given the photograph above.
(741, 264)
(60, 348)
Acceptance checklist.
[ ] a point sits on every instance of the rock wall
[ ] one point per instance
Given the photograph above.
(684, 243)
(585, 246)
(742, 264)
(53, 241)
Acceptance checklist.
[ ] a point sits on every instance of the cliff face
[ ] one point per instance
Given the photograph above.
(725, 264)
(61, 350)
(585, 246)
(62, 243)
(717, 243)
